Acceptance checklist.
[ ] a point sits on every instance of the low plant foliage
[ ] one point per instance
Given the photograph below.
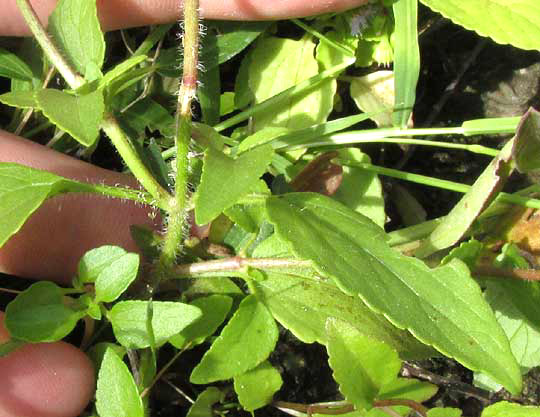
(295, 212)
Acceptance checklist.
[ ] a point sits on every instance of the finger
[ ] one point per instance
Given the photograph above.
(51, 242)
(44, 380)
(115, 14)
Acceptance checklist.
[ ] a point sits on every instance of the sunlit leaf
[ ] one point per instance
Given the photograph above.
(506, 409)
(202, 407)
(11, 66)
(504, 22)
(246, 341)
(277, 64)
(362, 366)
(442, 307)
(40, 314)
(74, 25)
(256, 387)
(225, 180)
(214, 309)
(80, 116)
(129, 318)
(117, 394)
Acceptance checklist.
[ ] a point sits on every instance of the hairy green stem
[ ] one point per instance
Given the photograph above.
(125, 148)
(55, 56)
(176, 219)
(109, 191)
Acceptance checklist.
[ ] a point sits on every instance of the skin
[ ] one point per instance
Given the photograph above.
(56, 379)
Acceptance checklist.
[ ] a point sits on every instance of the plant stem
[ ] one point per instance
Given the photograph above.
(110, 191)
(146, 391)
(176, 219)
(365, 136)
(343, 407)
(410, 370)
(55, 56)
(444, 184)
(519, 274)
(309, 409)
(416, 406)
(236, 263)
(128, 153)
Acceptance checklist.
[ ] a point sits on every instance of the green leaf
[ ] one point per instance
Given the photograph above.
(225, 180)
(202, 407)
(362, 366)
(147, 113)
(403, 388)
(117, 394)
(467, 252)
(279, 63)
(459, 220)
(209, 91)
(442, 307)
(20, 99)
(23, 190)
(508, 299)
(303, 305)
(360, 190)
(202, 287)
(80, 116)
(524, 336)
(95, 261)
(249, 217)
(444, 412)
(129, 318)
(526, 151)
(96, 353)
(406, 60)
(119, 70)
(329, 55)
(506, 409)
(260, 137)
(41, 314)
(74, 26)
(116, 278)
(504, 22)
(374, 93)
(408, 388)
(256, 387)
(11, 66)
(92, 308)
(214, 310)
(246, 341)
(226, 103)
(232, 38)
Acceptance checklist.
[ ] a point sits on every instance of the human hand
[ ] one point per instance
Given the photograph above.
(117, 14)
(56, 379)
